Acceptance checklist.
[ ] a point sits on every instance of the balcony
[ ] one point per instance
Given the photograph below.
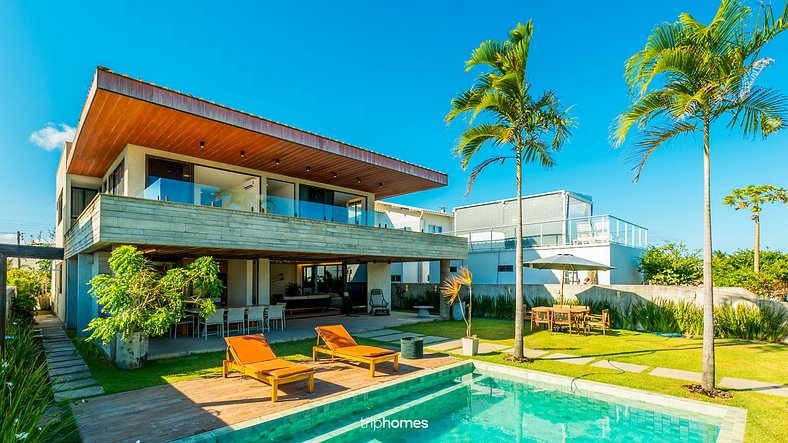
(251, 201)
(201, 221)
(594, 230)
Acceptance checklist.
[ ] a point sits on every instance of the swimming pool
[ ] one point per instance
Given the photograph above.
(486, 402)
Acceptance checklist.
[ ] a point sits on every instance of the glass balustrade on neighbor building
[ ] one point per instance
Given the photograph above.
(600, 229)
(242, 200)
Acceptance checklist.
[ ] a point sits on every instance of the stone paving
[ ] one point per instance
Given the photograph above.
(70, 376)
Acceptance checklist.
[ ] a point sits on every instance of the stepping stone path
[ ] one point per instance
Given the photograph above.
(378, 333)
(754, 386)
(529, 353)
(569, 358)
(430, 339)
(616, 365)
(489, 348)
(677, 374)
(70, 376)
(445, 346)
(395, 338)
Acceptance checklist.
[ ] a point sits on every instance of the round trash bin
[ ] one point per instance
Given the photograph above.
(411, 347)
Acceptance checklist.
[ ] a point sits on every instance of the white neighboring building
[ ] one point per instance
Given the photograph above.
(559, 222)
(410, 218)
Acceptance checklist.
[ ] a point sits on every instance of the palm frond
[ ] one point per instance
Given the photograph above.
(473, 138)
(763, 111)
(478, 169)
(654, 138)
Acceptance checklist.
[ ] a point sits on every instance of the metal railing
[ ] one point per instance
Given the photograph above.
(594, 230)
(251, 201)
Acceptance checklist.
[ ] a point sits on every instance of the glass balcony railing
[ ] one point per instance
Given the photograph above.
(240, 200)
(600, 229)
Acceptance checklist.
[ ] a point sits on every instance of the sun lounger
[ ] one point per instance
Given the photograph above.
(337, 342)
(251, 355)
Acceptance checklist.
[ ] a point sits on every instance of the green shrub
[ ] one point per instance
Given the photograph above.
(619, 317)
(689, 318)
(539, 301)
(657, 316)
(736, 269)
(751, 322)
(427, 298)
(25, 393)
(671, 264)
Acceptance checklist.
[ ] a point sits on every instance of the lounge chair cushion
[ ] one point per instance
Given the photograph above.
(366, 351)
(336, 337)
(250, 349)
(278, 368)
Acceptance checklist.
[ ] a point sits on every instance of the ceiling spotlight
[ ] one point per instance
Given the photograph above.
(308, 169)
(358, 179)
(243, 153)
(334, 174)
(277, 162)
(380, 185)
(202, 144)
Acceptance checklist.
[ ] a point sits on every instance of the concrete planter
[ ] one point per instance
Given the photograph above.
(132, 352)
(470, 346)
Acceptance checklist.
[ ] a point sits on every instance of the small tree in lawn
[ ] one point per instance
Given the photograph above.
(754, 197)
(139, 299)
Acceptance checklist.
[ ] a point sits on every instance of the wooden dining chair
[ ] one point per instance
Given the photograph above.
(562, 317)
(600, 321)
(541, 317)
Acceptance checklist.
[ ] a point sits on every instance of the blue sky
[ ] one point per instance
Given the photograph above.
(380, 77)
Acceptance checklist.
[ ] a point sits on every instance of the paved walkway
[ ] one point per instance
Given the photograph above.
(442, 344)
(295, 329)
(71, 379)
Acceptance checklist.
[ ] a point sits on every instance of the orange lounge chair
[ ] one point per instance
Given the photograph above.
(251, 355)
(338, 343)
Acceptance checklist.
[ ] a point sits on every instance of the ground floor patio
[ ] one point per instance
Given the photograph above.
(295, 329)
(177, 410)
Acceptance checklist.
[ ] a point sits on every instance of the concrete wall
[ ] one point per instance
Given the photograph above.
(622, 295)
(264, 281)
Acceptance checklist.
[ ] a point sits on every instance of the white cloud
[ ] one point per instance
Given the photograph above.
(8, 238)
(51, 138)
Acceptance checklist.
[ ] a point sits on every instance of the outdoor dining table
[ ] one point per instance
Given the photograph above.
(575, 314)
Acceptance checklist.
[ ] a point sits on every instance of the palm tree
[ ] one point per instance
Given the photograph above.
(754, 197)
(689, 76)
(532, 129)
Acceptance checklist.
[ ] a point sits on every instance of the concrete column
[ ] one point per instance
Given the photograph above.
(239, 286)
(445, 271)
(379, 277)
(86, 306)
(264, 281)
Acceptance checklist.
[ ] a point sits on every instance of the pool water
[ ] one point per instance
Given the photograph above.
(485, 408)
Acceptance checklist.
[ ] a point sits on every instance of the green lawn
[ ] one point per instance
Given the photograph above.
(735, 358)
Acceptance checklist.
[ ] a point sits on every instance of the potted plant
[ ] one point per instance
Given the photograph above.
(451, 289)
(139, 301)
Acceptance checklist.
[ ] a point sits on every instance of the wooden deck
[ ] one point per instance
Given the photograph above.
(167, 412)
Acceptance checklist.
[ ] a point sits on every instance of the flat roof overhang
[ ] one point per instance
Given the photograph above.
(120, 110)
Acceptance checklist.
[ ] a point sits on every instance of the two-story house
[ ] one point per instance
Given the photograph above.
(180, 177)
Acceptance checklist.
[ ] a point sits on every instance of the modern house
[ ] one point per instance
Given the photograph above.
(181, 177)
(560, 222)
(410, 218)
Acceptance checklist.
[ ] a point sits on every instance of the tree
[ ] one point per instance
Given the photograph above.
(753, 197)
(532, 129)
(671, 264)
(689, 76)
(139, 298)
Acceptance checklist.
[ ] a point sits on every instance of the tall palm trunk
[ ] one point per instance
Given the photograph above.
(708, 282)
(518, 264)
(757, 250)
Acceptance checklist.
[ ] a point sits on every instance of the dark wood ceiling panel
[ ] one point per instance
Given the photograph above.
(122, 110)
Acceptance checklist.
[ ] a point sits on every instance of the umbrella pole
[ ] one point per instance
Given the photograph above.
(561, 300)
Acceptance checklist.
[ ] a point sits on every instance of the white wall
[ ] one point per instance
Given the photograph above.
(239, 283)
(379, 277)
(264, 281)
(484, 264)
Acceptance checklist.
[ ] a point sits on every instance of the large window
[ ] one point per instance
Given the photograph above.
(169, 181)
(80, 197)
(114, 182)
(322, 279)
(434, 229)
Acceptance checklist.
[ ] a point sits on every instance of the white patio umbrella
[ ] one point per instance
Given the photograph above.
(563, 262)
